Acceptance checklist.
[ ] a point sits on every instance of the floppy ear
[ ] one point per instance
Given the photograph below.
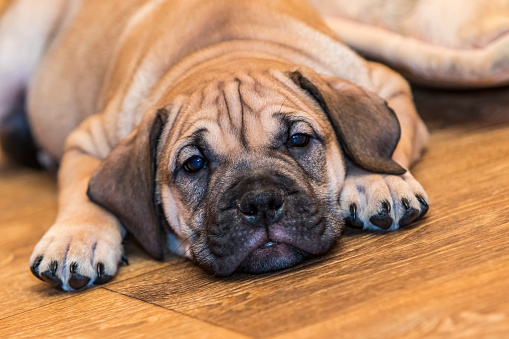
(125, 184)
(366, 127)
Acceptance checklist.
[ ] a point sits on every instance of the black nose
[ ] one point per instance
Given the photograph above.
(263, 204)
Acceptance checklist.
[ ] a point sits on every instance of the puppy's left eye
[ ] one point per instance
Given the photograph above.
(195, 164)
(299, 140)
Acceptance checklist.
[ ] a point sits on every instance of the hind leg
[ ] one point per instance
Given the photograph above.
(16, 139)
(25, 30)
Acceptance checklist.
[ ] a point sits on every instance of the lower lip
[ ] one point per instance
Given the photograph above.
(272, 248)
(271, 256)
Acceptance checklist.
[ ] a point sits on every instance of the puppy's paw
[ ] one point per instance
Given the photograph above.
(382, 202)
(69, 257)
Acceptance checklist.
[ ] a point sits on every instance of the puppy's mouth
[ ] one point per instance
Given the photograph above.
(272, 256)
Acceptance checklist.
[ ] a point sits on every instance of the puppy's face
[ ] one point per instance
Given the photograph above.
(251, 166)
(250, 175)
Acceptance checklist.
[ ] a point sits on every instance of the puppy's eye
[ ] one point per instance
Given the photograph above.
(299, 140)
(195, 164)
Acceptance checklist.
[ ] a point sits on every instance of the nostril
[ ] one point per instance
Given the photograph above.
(275, 204)
(251, 210)
(247, 208)
(263, 202)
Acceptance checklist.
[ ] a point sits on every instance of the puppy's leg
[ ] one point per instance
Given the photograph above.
(84, 246)
(377, 201)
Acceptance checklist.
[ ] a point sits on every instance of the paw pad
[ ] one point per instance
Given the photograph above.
(50, 275)
(410, 214)
(383, 219)
(102, 278)
(424, 205)
(76, 280)
(35, 267)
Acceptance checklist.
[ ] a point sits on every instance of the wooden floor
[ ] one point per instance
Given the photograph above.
(447, 276)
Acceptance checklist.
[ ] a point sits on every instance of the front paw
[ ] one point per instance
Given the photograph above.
(71, 257)
(382, 202)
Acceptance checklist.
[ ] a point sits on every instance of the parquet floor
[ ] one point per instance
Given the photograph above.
(447, 276)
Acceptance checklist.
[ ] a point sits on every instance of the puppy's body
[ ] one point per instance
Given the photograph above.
(116, 58)
(225, 72)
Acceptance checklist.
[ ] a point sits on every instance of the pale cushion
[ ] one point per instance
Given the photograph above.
(446, 43)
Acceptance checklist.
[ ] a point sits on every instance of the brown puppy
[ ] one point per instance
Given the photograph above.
(243, 131)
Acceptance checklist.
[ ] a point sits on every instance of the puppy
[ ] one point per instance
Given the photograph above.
(241, 134)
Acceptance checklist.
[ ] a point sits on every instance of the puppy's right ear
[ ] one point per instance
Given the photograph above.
(125, 184)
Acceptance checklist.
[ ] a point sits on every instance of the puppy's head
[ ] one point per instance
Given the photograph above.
(246, 167)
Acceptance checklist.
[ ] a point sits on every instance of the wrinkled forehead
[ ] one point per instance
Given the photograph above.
(243, 113)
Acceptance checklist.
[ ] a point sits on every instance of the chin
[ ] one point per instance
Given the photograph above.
(272, 256)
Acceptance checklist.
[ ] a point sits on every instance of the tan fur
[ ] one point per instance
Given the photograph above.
(262, 96)
(112, 64)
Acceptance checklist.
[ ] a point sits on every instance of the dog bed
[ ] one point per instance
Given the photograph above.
(452, 43)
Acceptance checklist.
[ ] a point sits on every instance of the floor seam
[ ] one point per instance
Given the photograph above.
(179, 312)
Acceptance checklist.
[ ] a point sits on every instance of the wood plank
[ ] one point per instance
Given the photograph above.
(21, 291)
(104, 314)
(445, 277)
(27, 209)
(439, 266)
(455, 308)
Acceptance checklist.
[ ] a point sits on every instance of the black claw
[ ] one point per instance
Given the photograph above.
(35, 267)
(353, 211)
(100, 269)
(124, 259)
(386, 207)
(78, 281)
(352, 219)
(383, 220)
(424, 205)
(101, 277)
(405, 203)
(410, 216)
(53, 267)
(73, 268)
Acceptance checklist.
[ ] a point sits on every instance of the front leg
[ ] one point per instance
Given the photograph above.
(84, 246)
(378, 201)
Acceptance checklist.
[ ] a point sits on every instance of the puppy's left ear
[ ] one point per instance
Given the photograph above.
(125, 184)
(367, 129)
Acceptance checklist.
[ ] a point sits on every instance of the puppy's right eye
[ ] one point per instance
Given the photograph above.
(195, 164)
